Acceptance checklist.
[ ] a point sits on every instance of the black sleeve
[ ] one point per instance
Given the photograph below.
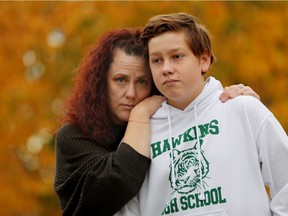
(91, 180)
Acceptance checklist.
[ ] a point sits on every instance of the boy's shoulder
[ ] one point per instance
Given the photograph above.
(248, 104)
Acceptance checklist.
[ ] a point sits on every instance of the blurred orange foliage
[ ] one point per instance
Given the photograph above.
(42, 44)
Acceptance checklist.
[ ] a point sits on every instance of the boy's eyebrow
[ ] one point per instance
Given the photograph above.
(170, 51)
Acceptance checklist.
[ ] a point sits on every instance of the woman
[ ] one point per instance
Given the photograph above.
(100, 165)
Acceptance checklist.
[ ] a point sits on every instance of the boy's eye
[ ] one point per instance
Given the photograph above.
(177, 56)
(155, 60)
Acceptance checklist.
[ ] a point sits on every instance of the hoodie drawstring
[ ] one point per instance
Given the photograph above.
(171, 149)
(201, 194)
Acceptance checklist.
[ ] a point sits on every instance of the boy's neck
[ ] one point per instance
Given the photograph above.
(181, 104)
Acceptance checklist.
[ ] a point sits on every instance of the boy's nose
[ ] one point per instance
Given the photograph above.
(167, 68)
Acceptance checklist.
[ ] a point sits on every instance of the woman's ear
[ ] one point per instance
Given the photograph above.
(205, 61)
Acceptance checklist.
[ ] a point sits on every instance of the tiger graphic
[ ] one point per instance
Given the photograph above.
(186, 168)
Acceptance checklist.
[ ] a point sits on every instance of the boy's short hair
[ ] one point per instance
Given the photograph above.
(197, 35)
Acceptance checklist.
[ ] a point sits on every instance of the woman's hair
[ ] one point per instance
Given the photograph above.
(198, 36)
(88, 105)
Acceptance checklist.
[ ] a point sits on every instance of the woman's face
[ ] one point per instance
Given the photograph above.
(129, 82)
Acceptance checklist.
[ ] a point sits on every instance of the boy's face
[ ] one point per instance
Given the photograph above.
(175, 69)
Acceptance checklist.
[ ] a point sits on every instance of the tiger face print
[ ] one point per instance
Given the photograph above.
(186, 168)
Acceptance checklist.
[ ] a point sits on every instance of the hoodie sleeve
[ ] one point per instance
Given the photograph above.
(91, 180)
(273, 146)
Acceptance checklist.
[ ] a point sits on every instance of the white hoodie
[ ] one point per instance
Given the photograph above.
(228, 142)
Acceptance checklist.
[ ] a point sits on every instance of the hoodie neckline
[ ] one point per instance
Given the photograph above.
(203, 99)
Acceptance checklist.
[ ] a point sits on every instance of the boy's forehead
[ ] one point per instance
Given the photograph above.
(168, 40)
(175, 33)
(169, 35)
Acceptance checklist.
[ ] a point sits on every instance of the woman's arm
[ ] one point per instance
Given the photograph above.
(137, 134)
(92, 179)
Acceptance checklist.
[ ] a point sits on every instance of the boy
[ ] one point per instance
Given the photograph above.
(207, 157)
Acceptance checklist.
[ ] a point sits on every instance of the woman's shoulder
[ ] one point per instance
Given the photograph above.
(70, 138)
(67, 131)
(66, 128)
(69, 135)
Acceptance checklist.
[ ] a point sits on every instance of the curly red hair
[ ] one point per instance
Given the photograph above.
(88, 105)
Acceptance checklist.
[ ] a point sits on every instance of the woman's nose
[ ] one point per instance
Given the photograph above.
(131, 92)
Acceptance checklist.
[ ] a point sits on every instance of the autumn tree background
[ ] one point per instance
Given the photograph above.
(42, 43)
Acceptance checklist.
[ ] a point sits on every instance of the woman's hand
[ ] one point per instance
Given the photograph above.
(236, 90)
(146, 108)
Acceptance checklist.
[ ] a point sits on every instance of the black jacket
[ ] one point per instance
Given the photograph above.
(93, 180)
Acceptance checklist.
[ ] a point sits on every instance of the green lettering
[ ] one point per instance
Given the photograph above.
(156, 149)
(166, 146)
(220, 196)
(204, 130)
(173, 205)
(176, 141)
(191, 201)
(214, 129)
(183, 201)
(166, 210)
(207, 200)
(214, 197)
(195, 133)
(198, 202)
(187, 137)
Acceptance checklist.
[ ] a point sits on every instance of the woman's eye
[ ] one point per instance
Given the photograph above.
(120, 80)
(143, 82)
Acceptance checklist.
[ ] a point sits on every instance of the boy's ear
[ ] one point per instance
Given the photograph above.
(205, 61)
